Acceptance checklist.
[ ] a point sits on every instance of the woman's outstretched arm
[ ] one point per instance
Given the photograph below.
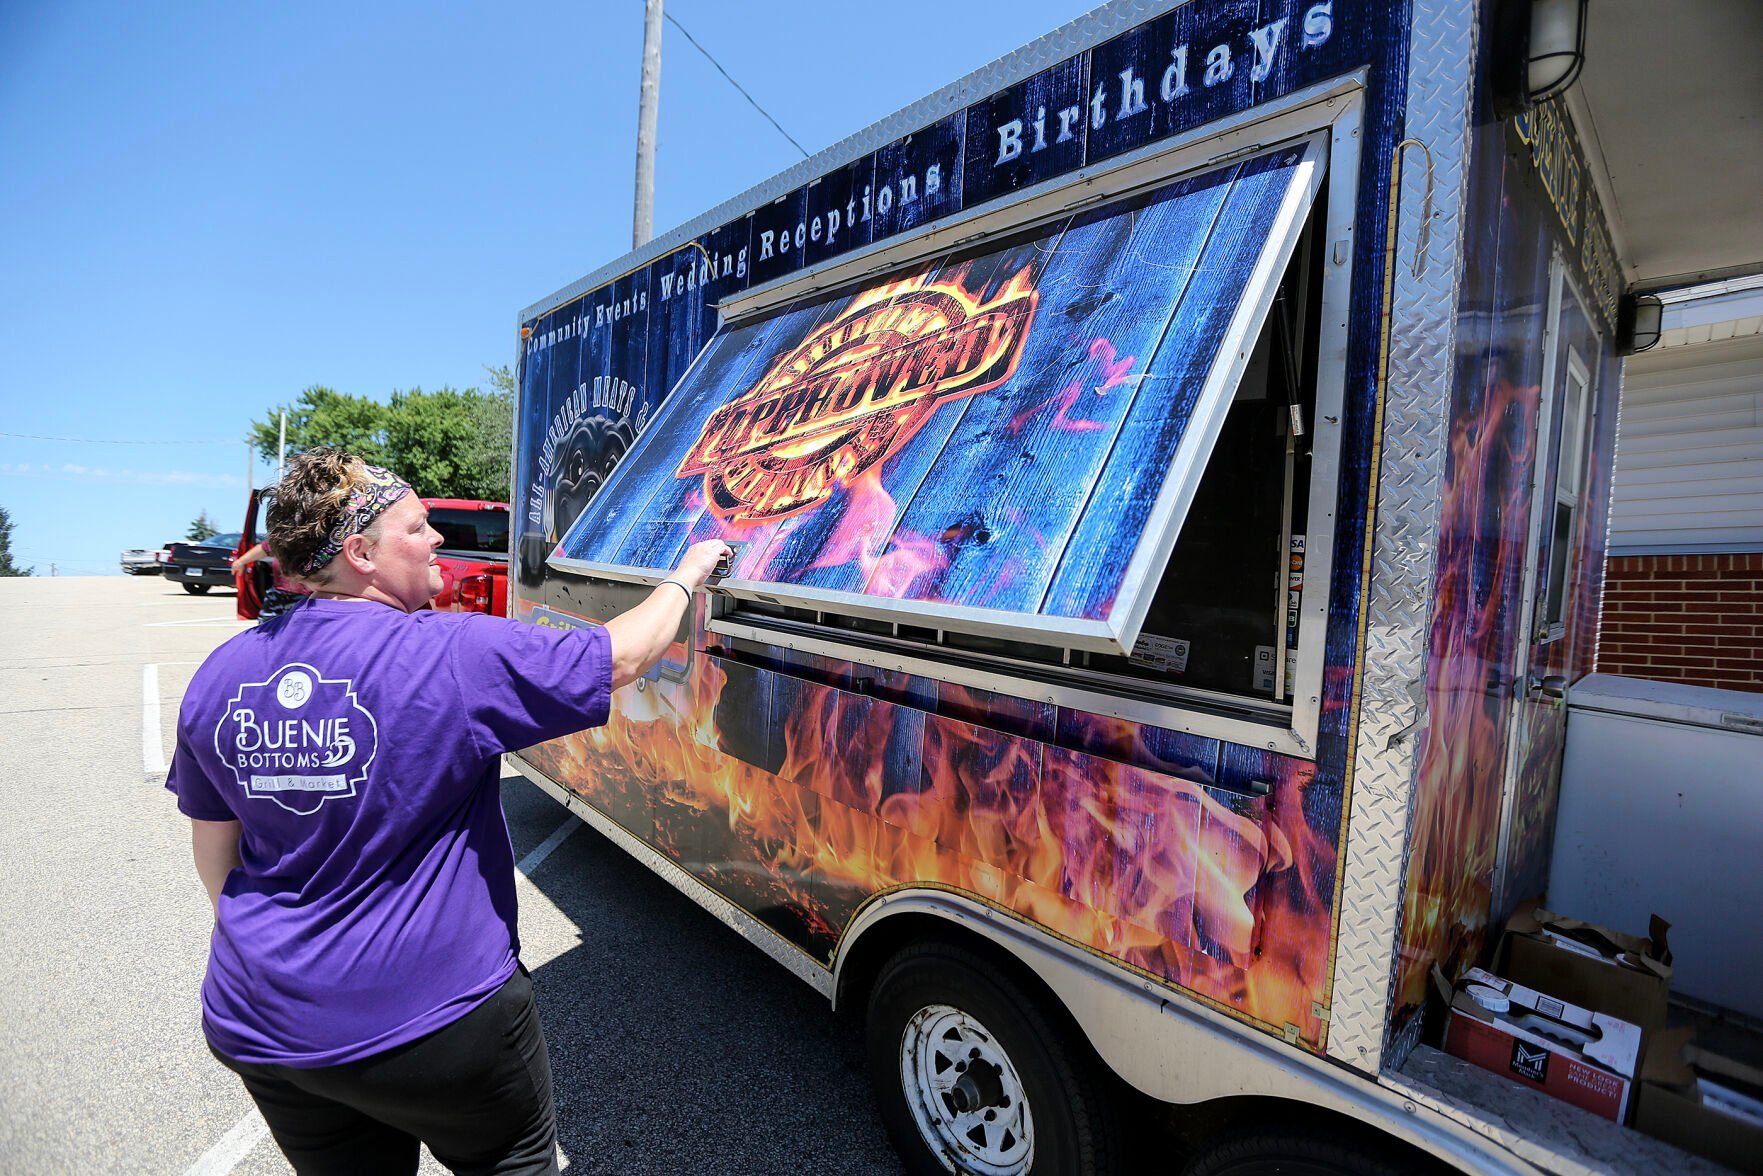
(641, 635)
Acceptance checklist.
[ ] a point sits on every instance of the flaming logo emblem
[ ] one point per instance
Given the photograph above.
(854, 391)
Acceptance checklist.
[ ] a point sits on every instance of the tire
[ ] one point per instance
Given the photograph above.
(197, 589)
(1295, 1151)
(931, 996)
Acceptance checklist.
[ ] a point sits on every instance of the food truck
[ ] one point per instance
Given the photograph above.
(1168, 473)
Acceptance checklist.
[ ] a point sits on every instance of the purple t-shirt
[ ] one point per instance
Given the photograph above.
(357, 746)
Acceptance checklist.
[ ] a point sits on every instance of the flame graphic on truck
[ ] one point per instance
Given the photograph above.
(829, 797)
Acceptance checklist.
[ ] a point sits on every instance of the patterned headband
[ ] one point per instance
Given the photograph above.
(366, 503)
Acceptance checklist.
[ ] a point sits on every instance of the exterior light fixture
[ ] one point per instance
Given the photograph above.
(1557, 46)
(1640, 320)
(1539, 51)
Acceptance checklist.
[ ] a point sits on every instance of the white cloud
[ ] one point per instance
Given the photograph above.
(85, 473)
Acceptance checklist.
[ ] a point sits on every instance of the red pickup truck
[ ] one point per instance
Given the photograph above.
(473, 557)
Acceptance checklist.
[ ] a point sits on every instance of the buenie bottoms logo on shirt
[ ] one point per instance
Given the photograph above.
(298, 739)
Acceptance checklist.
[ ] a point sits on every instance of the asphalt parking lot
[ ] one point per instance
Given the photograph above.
(675, 1046)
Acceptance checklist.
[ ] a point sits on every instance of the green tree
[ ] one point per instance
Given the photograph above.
(431, 437)
(450, 443)
(324, 416)
(7, 567)
(201, 527)
(492, 447)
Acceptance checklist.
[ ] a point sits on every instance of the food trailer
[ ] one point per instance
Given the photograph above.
(1168, 471)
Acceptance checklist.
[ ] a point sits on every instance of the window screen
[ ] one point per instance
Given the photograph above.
(1002, 441)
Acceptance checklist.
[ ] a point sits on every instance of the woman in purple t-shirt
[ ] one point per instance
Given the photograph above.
(340, 764)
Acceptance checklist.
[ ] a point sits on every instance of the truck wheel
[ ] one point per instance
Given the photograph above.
(196, 589)
(971, 1076)
(1296, 1152)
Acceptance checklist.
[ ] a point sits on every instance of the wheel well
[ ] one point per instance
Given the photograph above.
(877, 945)
(1195, 1125)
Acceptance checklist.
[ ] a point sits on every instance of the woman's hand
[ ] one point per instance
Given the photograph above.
(699, 561)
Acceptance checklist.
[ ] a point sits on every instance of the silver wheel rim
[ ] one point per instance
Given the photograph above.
(965, 1094)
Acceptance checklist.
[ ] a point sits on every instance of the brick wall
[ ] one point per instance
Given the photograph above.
(1684, 618)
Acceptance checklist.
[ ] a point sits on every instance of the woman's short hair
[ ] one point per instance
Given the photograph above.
(308, 504)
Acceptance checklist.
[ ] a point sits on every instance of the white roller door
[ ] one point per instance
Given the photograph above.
(1689, 466)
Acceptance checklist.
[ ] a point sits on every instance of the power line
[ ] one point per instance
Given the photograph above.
(674, 21)
(117, 441)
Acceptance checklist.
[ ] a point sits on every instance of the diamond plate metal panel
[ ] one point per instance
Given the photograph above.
(1086, 32)
(1414, 418)
(1551, 1135)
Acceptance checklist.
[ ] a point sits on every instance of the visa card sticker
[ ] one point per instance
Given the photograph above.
(1264, 663)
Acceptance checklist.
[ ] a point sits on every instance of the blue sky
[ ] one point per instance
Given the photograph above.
(207, 207)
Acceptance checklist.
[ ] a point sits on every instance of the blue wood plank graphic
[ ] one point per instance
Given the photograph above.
(921, 174)
(597, 417)
(685, 287)
(657, 537)
(990, 430)
(1093, 564)
(1212, 57)
(1297, 42)
(635, 482)
(848, 542)
(1015, 474)
(780, 232)
(1127, 83)
(1028, 133)
(839, 211)
(775, 385)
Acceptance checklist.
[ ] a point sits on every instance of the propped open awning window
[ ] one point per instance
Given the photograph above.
(1004, 441)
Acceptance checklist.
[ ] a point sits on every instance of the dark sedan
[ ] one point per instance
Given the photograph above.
(200, 565)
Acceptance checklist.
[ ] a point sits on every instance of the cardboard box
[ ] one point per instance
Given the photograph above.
(1581, 1057)
(1670, 1102)
(1626, 976)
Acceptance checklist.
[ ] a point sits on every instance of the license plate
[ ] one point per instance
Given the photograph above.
(192, 571)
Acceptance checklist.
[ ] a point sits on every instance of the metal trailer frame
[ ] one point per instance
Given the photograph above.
(1143, 1031)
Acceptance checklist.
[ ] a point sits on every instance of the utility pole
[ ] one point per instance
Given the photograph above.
(250, 470)
(281, 455)
(648, 110)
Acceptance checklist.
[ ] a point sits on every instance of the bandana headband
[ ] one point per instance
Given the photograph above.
(366, 503)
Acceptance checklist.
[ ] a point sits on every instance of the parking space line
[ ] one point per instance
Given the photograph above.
(531, 861)
(152, 743)
(232, 1147)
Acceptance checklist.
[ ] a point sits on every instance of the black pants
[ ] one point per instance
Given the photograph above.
(478, 1092)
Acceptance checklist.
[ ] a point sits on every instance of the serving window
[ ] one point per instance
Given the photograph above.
(1074, 461)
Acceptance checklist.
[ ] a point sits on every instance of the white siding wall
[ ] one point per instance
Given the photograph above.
(1689, 464)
